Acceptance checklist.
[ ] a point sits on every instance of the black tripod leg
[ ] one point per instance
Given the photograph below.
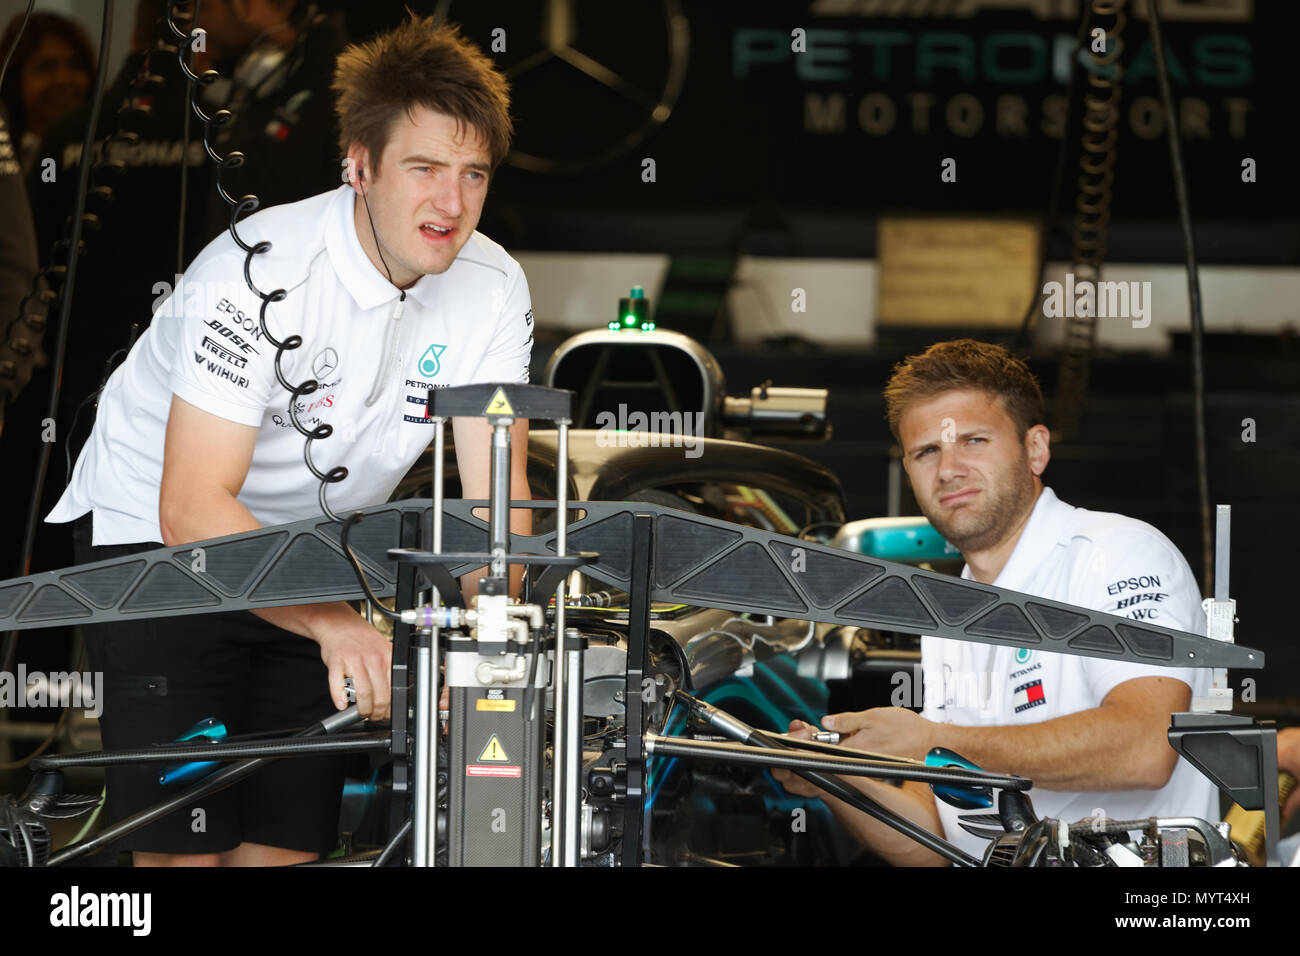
(220, 780)
(394, 844)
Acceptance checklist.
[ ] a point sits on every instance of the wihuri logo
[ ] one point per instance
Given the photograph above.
(655, 430)
(1105, 300)
(57, 689)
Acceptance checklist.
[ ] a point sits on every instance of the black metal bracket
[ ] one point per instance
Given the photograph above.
(638, 641)
(410, 532)
(1239, 755)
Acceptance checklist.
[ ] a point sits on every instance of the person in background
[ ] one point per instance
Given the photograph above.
(17, 267)
(50, 73)
(281, 56)
(277, 60)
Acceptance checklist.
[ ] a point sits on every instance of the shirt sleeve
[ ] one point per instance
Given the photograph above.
(508, 356)
(1145, 579)
(223, 364)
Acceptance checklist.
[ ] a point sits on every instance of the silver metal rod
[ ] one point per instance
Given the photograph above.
(561, 736)
(424, 776)
(572, 830)
(724, 751)
(439, 443)
(499, 494)
(562, 488)
(430, 756)
(1222, 540)
(420, 782)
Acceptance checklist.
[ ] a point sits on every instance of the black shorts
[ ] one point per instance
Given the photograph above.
(162, 676)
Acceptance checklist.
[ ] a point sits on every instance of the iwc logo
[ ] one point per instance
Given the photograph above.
(430, 361)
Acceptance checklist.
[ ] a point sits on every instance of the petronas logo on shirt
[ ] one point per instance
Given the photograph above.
(429, 361)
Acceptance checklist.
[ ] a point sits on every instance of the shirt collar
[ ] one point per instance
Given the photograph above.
(368, 286)
(1041, 534)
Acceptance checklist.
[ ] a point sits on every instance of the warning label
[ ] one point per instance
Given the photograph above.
(479, 770)
(502, 706)
(494, 751)
(498, 404)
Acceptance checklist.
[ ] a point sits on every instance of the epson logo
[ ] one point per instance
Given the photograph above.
(239, 318)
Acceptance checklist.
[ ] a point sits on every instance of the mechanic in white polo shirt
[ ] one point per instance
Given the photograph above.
(1090, 733)
(394, 293)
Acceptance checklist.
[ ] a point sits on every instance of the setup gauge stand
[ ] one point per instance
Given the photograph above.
(496, 666)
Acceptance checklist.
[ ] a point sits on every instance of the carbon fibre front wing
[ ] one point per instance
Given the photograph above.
(696, 560)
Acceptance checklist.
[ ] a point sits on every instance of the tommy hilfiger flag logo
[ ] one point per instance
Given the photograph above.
(1029, 695)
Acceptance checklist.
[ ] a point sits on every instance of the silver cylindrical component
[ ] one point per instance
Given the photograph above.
(570, 845)
(499, 493)
(562, 733)
(424, 777)
(433, 616)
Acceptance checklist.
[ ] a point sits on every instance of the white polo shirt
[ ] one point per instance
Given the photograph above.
(375, 355)
(1097, 560)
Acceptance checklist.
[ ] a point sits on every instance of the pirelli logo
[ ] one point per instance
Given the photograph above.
(223, 353)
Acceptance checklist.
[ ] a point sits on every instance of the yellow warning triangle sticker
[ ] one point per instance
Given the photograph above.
(493, 750)
(498, 404)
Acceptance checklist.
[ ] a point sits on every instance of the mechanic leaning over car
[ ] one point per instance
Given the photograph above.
(1090, 733)
(394, 294)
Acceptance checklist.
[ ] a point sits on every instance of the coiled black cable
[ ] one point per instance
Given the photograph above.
(214, 122)
(1092, 211)
(1052, 213)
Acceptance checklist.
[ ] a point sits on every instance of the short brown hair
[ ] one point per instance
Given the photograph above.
(965, 363)
(21, 48)
(419, 64)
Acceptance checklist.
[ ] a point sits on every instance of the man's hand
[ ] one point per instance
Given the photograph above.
(913, 800)
(890, 730)
(206, 460)
(355, 649)
(787, 778)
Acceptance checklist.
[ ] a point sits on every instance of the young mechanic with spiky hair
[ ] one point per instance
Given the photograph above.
(394, 294)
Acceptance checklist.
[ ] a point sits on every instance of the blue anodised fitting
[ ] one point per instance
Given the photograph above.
(208, 727)
(964, 798)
